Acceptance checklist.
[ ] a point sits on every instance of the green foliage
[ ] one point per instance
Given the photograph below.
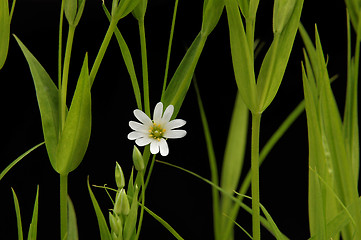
(72, 223)
(4, 31)
(74, 10)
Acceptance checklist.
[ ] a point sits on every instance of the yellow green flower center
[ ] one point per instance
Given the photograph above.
(156, 131)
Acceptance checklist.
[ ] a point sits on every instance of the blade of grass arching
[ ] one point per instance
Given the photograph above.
(350, 119)
(72, 223)
(103, 227)
(18, 215)
(164, 223)
(233, 161)
(346, 186)
(11, 165)
(33, 229)
(169, 46)
(264, 221)
(212, 164)
(127, 57)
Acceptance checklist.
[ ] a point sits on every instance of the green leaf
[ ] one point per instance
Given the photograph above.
(72, 223)
(123, 8)
(180, 82)
(103, 227)
(275, 62)
(212, 11)
(164, 223)
(33, 229)
(48, 101)
(127, 57)
(4, 31)
(75, 136)
(11, 165)
(241, 56)
(234, 155)
(140, 9)
(18, 215)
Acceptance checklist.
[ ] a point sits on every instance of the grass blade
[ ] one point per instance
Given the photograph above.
(33, 229)
(18, 216)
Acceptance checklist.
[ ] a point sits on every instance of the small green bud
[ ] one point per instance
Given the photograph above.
(138, 159)
(119, 176)
(115, 224)
(282, 12)
(121, 205)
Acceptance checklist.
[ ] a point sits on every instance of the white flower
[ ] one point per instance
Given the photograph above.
(157, 131)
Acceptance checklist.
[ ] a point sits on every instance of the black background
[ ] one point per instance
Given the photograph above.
(182, 200)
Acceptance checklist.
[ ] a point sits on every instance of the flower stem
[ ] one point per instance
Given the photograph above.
(65, 76)
(256, 228)
(102, 49)
(143, 47)
(63, 205)
(142, 206)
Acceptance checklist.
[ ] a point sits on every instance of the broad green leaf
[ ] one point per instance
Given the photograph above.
(18, 215)
(103, 227)
(4, 31)
(212, 11)
(180, 82)
(234, 156)
(33, 229)
(12, 164)
(275, 62)
(72, 223)
(48, 101)
(75, 136)
(241, 56)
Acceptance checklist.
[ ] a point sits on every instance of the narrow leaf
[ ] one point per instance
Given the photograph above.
(18, 215)
(103, 227)
(33, 229)
(4, 31)
(72, 223)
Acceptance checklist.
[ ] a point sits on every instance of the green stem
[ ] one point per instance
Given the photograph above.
(143, 47)
(60, 43)
(169, 47)
(102, 50)
(64, 84)
(142, 206)
(150, 171)
(256, 228)
(63, 206)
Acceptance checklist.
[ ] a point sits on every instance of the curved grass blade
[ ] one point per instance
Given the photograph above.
(11, 165)
(4, 31)
(103, 227)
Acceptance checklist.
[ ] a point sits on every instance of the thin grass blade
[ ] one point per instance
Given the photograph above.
(33, 229)
(18, 215)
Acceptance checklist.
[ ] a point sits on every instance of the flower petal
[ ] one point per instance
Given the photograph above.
(157, 114)
(143, 141)
(154, 147)
(135, 135)
(176, 123)
(138, 127)
(142, 117)
(163, 146)
(175, 134)
(167, 114)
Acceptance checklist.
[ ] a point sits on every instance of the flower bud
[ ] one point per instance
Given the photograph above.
(115, 224)
(121, 205)
(119, 176)
(282, 12)
(138, 159)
